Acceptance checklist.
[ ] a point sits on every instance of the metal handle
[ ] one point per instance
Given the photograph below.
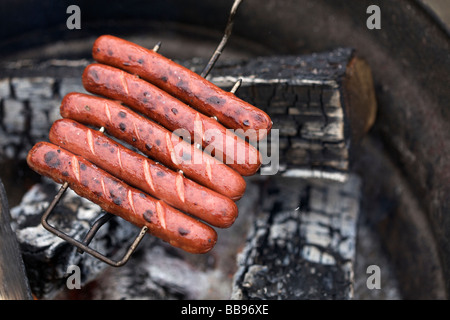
(83, 246)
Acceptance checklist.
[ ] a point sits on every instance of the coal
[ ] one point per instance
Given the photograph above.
(46, 256)
(302, 244)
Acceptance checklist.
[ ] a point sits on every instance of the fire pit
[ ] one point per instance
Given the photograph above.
(303, 225)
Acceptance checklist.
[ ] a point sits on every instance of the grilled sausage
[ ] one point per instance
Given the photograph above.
(182, 83)
(154, 141)
(118, 198)
(144, 174)
(173, 114)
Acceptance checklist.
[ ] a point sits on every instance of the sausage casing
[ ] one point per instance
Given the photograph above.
(182, 83)
(143, 173)
(155, 141)
(118, 198)
(173, 114)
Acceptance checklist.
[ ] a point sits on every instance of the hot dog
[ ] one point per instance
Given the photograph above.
(173, 114)
(118, 198)
(154, 141)
(144, 174)
(182, 83)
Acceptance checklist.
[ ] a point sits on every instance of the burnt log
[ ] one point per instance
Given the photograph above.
(302, 244)
(320, 103)
(14, 283)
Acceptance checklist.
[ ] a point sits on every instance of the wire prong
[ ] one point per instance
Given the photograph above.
(94, 229)
(157, 46)
(223, 42)
(236, 86)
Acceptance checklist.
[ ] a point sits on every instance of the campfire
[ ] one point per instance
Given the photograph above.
(305, 213)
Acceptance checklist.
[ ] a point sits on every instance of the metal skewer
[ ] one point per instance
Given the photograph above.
(94, 228)
(236, 86)
(223, 42)
(83, 246)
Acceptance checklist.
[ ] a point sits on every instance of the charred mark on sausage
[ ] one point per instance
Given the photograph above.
(246, 123)
(182, 85)
(117, 200)
(148, 147)
(51, 159)
(183, 232)
(82, 166)
(174, 110)
(216, 101)
(164, 79)
(148, 214)
(98, 194)
(258, 117)
(158, 142)
(160, 174)
(140, 61)
(122, 114)
(122, 126)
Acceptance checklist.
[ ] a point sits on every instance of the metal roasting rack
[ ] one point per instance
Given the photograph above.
(83, 246)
